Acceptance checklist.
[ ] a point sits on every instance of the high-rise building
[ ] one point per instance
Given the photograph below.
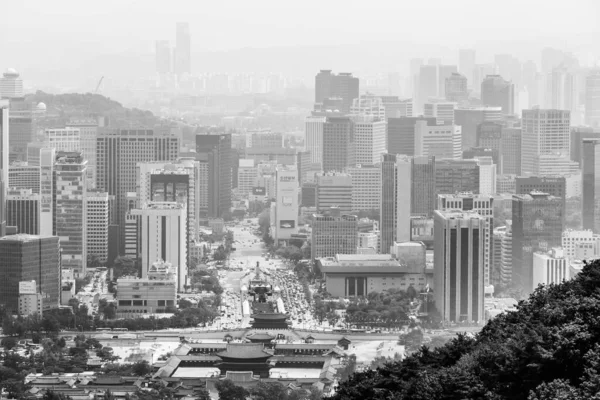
(11, 85)
(401, 134)
(97, 205)
(88, 133)
(3, 164)
(544, 132)
(572, 240)
(456, 88)
(549, 268)
(562, 90)
(459, 254)
(489, 136)
(482, 205)
(396, 174)
(23, 124)
(553, 185)
(338, 144)
(23, 211)
(24, 176)
(423, 194)
(333, 234)
(26, 258)
(466, 62)
(496, 92)
(590, 215)
(368, 105)
(217, 150)
(506, 255)
(369, 139)
(284, 212)
(342, 85)
(70, 214)
(64, 139)
(183, 55)
(163, 56)
(592, 98)
(334, 189)
(456, 176)
(440, 141)
(444, 72)
(487, 175)
(366, 187)
(470, 118)
(47, 160)
(442, 111)
(396, 108)
(163, 237)
(511, 151)
(537, 225)
(578, 133)
(428, 85)
(247, 174)
(480, 71)
(305, 166)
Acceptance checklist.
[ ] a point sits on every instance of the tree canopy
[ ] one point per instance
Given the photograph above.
(548, 349)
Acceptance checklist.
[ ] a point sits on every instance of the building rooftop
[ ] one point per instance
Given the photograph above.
(22, 237)
(244, 351)
(163, 205)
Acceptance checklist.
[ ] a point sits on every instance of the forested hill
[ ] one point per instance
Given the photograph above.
(546, 350)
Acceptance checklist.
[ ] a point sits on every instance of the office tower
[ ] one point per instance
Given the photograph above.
(67, 139)
(509, 67)
(396, 192)
(88, 133)
(511, 151)
(413, 79)
(96, 204)
(284, 212)
(590, 215)
(505, 276)
(369, 139)
(482, 205)
(440, 141)
(561, 91)
(47, 160)
(70, 217)
(308, 195)
(459, 256)
(334, 189)
(555, 186)
(368, 105)
(132, 236)
(23, 123)
(578, 133)
(338, 144)
(163, 56)
(304, 165)
(455, 176)
(3, 164)
(573, 240)
(456, 88)
(11, 86)
(26, 258)
(423, 194)
(496, 92)
(23, 176)
(489, 136)
(396, 108)
(217, 150)
(592, 98)
(23, 211)
(333, 234)
(444, 72)
(183, 49)
(543, 132)
(487, 175)
(466, 62)
(470, 118)
(428, 85)
(33, 153)
(401, 134)
(442, 111)
(342, 85)
(480, 71)
(549, 268)
(506, 184)
(247, 174)
(366, 187)
(163, 232)
(537, 225)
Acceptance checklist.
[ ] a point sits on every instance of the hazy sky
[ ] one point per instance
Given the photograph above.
(117, 25)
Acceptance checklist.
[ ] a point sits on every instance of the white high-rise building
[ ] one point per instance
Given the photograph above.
(284, 211)
(366, 187)
(3, 164)
(97, 224)
(313, 138)
(88, 132)
(247, 174)
(47, 158)
(163, 236)
(11, 86)
(369, 139)
(571, 239)
(487, 176)
(544, 132)
(65, 139)
(368, 105)
(395, 209)
(441, 110)
(441, 141)
(550, 268)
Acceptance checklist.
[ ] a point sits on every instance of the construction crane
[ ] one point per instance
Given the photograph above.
(98, 86)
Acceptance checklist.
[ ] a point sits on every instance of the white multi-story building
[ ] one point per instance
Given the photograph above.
(11, 86)
(506, 255)
(284, 211)
(24, 176)
(313, 138)
(442, 111)
(163, 237)
(441, 141)
(487, 176)
(88, 131)
(368, 240)
(572, 241)
(97, 224)
(550, 268)
(369, 139)
(65, 139)
(247, 173)
(47, 157)
(368, 105)
(366, 186)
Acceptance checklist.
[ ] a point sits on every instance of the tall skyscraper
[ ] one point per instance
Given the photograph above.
(88, 133)
(428, 85)
(47, 160)
(456, 88)
(496, 92)
(592, 98)
(163, 237)
(369, 139)
(511, 151)
(396, 174)
(29, 258)
(537, 225)
(11, 86)
(334, 233)
(401, 134)
(456, 176)
(334, 190)
(423, 194)
(578, 133)
(23, 211)
(561, 91)
(544, 132)
(70, 214)
(97, 220)
(470, 118)
(366, 187)
(216, 148)
(342, 85)
(3, 164)
(118, 153)
(444, 72)
(489, 136)
(459, 254)
(466, 62)
(183, 49)
(591, 185)
(163, 56)
(284, 212)
(338, 144)
(23, 123)
(440, 141)
(480, 71)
